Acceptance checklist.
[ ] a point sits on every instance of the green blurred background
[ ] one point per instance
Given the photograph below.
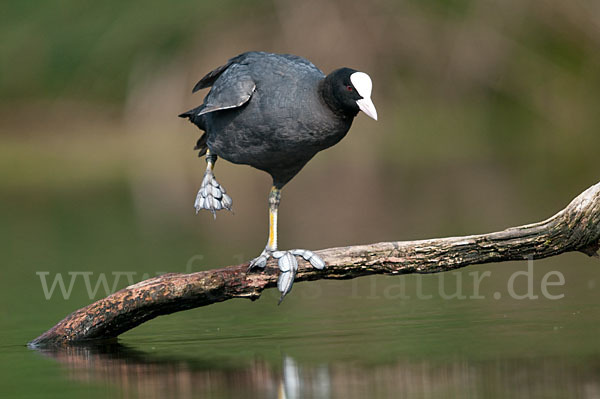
(488, 118)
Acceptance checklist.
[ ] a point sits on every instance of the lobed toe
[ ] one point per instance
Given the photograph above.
(227, 202)
(285, 282)
(311, 257)
(287, 262)
(216, 192)
(211, 196)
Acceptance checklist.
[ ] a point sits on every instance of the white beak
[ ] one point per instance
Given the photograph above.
(362, 83)
(367, 106)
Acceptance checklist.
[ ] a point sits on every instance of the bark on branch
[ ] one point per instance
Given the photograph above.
(575, 228)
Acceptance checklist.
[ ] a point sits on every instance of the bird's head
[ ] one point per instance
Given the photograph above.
(351, 91)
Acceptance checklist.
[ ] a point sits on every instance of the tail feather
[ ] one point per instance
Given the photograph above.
(193, 116)
(191, 113)
(197, 120)
(201, 145)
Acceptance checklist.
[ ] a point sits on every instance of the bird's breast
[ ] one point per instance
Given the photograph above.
(275, 126)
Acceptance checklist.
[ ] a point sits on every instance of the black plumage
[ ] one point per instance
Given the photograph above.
(274, 112)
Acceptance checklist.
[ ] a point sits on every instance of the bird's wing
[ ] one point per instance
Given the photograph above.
(210, 78)
(233, 88)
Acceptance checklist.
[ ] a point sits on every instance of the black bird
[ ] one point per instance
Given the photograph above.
(274, 112)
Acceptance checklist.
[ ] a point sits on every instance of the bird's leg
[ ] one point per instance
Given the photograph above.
(261, 260)
(211, 195)
(288, 265)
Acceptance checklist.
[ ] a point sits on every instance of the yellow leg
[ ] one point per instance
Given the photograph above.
(274, 197)
(210, 160)
(288, 265)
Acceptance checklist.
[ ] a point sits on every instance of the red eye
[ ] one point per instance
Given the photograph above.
(349, 88)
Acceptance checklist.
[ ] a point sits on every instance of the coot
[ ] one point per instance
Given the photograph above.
(273, 112)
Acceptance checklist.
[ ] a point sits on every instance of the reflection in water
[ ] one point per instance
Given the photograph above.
(300, 383)
(137, 373)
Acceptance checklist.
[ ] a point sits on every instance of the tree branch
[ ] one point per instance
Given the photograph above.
(575, 228)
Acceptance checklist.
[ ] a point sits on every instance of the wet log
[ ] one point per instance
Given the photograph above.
(575, 228)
